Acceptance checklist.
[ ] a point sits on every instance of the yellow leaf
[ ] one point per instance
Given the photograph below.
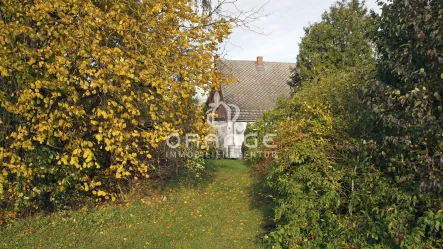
(99, 137)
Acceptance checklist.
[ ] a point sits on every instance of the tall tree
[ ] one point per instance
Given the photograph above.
(408, 111)
(313, 175)
(338, 41)
(89, 90)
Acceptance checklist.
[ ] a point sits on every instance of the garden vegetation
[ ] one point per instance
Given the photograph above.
(90, 90)
(361, 139)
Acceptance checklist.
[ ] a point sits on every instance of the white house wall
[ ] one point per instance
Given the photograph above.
(231, 138)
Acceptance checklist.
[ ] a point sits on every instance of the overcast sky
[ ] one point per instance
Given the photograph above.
(283, 28)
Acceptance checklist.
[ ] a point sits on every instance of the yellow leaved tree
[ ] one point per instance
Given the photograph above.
(89, 89)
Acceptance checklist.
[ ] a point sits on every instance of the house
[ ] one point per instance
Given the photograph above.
(255, 88)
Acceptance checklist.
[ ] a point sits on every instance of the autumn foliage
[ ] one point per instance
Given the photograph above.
(90, 89)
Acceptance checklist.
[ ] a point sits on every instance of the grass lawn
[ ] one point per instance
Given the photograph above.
(225, 209)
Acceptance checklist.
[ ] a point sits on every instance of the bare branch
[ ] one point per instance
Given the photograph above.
(244, 19)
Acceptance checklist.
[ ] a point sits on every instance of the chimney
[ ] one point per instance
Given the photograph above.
(260, 65)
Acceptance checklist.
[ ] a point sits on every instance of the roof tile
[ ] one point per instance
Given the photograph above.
(256, 90)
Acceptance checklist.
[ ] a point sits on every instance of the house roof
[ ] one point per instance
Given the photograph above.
(253, 89)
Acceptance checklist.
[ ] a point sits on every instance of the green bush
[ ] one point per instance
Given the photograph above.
(313, 176)
(360, 147)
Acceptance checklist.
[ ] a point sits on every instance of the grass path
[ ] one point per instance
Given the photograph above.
(223, 210)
